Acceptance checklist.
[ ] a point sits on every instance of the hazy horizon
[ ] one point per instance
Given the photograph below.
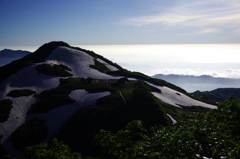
(217, 60)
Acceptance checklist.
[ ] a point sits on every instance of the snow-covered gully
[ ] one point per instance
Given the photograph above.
(173, 120)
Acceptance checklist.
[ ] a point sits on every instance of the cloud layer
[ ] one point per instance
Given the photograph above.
(228, 73)
(205, 17)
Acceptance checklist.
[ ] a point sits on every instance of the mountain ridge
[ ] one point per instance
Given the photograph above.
(219, 94)
(202, 83)
(7, 55)
(11, 53)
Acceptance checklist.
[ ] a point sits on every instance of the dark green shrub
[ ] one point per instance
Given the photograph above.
(53, 150)
(55, 70)
(124, 143)
(99, 66)
(31, 133)
(19, 93)
(5, 108)
(3, 152)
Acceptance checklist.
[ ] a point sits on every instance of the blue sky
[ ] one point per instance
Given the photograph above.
(97, 22)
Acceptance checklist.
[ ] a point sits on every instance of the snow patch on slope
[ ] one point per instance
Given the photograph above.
(57, 117)
(16, 118)
(177, 99)
(173, 120)
(28, 78)
(110, 67)
(23, 80)
(78, 61)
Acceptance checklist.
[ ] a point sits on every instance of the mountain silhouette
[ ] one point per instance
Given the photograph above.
(7, 55)
(220, 94)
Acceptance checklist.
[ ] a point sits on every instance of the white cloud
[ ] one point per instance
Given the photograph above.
(205, 31)
(233, 73)
(237, 32)
(210, 30)
(198, 14)
(228, 73)
(174, 71)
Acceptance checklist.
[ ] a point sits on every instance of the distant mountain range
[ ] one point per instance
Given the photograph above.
(220, 94)
(201, 83)
(7, 55)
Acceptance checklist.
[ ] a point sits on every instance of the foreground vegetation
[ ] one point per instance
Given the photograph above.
(214, 135)
(5, 107)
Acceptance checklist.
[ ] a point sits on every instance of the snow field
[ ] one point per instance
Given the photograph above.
(24, 80)
(16, 118)
(78, 62)
(177, 99)
(110, 67)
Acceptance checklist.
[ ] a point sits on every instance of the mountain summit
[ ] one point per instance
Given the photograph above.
(71, 93)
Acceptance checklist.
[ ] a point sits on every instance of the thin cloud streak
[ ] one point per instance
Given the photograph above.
(205, 31)
(224, 14)
(237, 32)
(228, 73)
